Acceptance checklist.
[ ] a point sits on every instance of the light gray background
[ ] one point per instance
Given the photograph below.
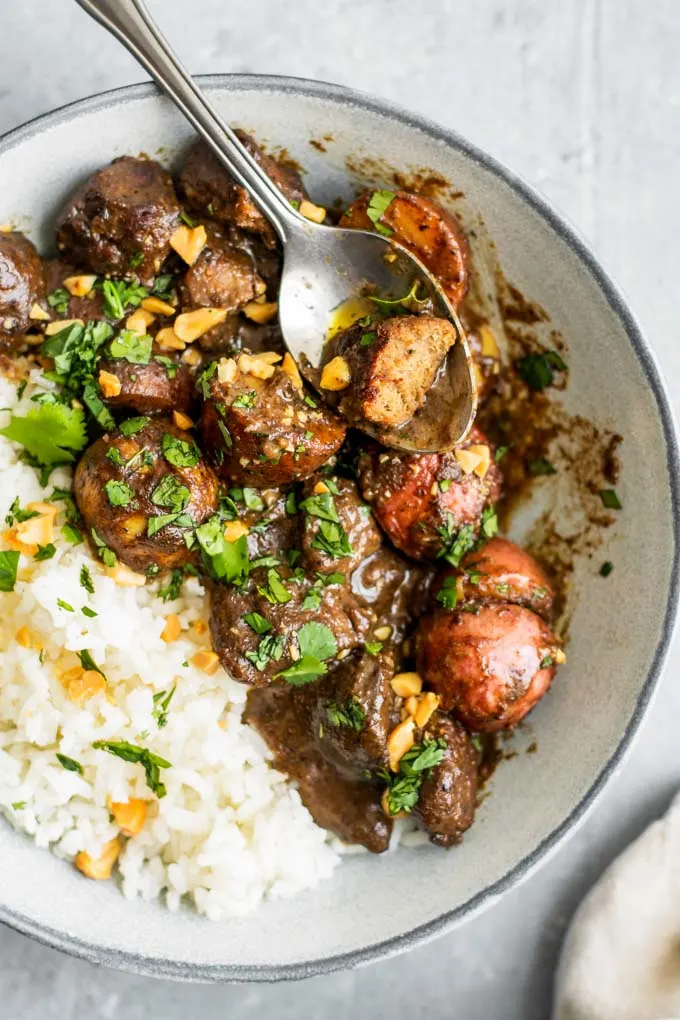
(583, 98)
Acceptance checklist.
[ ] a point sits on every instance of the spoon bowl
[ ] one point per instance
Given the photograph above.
(323, 266)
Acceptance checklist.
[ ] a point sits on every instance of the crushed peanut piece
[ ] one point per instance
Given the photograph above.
(406, 684)
(468, 460)
(38, 314)
(400, 740)
(201, 627)
(182, 420)
(139, 321)
(83, 687)
(189, 326)
(411, 705)
(172, 629)
(383, 633)
(207, 661)
(428, 703)
(320, 488)
(168, 340)
(52, 328)
(129, 817)
(24, 637)
(336, 374)
(261, 311)
(99, 868)
(559, 657)
(109, 384)
(189, 242)
(315, 213)
(484, 453)
(489, 346)
(156, 306)
(227, 370)
(289, 366)
(234, 530)
(192, 357)
(252, 365)
(80, 286)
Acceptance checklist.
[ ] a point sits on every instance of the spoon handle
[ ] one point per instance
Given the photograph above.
(130, 22)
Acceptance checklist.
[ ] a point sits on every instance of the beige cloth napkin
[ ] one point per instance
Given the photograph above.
(621, 958)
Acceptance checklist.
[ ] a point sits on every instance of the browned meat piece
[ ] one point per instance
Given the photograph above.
(448, 795)
(489, 666)
(398, 591)
(91, 306)
(392, 365)
(163, 385)
(504, 572)
(349, 809)
(208, 188)
(264, 432)
(354, 714)
(338, 530)
(21, 286)
(255, 652)
(121, 220)
(221, 277)
(424, 228)
(424, 501)
(142, 493)
(271, 519)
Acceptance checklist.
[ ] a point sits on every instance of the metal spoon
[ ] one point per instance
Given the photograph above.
(322, 266)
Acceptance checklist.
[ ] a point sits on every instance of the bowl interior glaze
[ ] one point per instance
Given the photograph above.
(376, 906)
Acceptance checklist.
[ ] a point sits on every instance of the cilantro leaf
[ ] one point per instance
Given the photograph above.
(132, 347)
(610, 500)
(378, 205)
(276, 591)
(349, 714)
(133, 425)
(537, 370)
(447, 596)
(178, 452)
(70, 764)
(118, 493)
(170, 493)
(317, 640)
(228, 561)
(257, 623)
(150, 762)
(270, 649)
(9, 561)
(303, 671)
(52, 433)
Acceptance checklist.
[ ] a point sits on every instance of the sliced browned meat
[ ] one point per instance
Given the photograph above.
(489, 666)
(503, 571)
(392, 365)
(424, 228)
(121, 220)
(349, 809)
(264, 432)
(221, 277)
(141, 494)
(255, 652)
(397, 590)
(208, 188)
(354, 714)
(63, 305)
(431, 505)
(21, 286)
(338, 530)
(448, 795)
(270, 517)
(164, 385)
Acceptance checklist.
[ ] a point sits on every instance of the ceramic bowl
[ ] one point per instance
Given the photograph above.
(378, 906)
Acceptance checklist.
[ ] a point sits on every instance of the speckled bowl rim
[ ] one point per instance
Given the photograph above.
(163, 968)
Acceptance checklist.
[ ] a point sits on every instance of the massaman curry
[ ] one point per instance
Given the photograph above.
(364, 595)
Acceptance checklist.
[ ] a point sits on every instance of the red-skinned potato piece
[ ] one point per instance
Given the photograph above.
(425, 229)
(261, 432)
(414, 496)
(504, 572)
(489, 667)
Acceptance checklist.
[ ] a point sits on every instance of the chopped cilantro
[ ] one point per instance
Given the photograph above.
(541, 466)
(500, 453)
(114, 455)
(228, 561)
(161, 702)
(59, 299)
(118, 493)
(106, 555)
(403, 788)
(180, 452)
(606, 568)
(246, 401)
(9, 561)
(50, 433)
(367, 339)
(71, 534)
(170, 493)
(131, 347)
(45, 552)
(275, 591)
(489, 522)
(373, 647)
(349, 714)
(65, 605)
(257, 623)
(455, 544)
(133, 425)
(86, 581)
(70, 764)
(317, 644)
(537, 370)
(447, 596)
(378, 205)
(171, 591)
(270, 649)
(610, 500)
(118, 295)
(86, 611)
(150, 762)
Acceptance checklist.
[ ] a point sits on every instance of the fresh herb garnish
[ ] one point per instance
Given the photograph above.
(51, 433)
(87, 662)
(606, 568)
(409, 300)
(150, 762)
(538, 370)
(45, 552)
(610, 500)
(70, 764)
(228, 561)
(317, 644)
(500, 453)
(367, 339)
(447, 596)
(245, 401)
(106, 555)
(118, 493)
(65, 605)
(59, 299)
(378, 205)
(9, 562)
(373, 647)
(114, 455)
(161, 702)
(118, 295)
(455, 544)
(349, 714)
(270, 649)
(133, 425)
(445, 484)
(275, 591)
(541, 466)
(403, 788)
(257, 623)
(170, 493)
(15, 513)
(86, 611)
(86, 581)
(131, 347)
(489, 522)
(180, 452)
(171, 591)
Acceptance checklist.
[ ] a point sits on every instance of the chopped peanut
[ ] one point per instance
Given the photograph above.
(86, 685)
(559, 657)
(99, 867)
(192, 357)
(335, 375)
(189, 326)
(189, 242)
(139, 321)
(289, 366)
(109, 384)
(406, 684)
(69, 675)
(6, 228)
(428, 703)
(235, 530)
(227, 370)
(411, 705)
(13, 543)
(80, 286)
(24, 637)
(168, 340)
(468, 460)
(400, 740)
(156, 306)
(172, 629)
(261, 311)
(320, 488)
(181, 420)
(383, 633)
(130, 817)
(38, 314)
(484, 454)
(489, 345)
(56, 327)
(201, 627)
(255, 366)
(315, 213)
(271, 357)
(207, 661)
(125, 577)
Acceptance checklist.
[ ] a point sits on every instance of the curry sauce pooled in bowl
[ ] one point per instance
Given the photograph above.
(230, 621)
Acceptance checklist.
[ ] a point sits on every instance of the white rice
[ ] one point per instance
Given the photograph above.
(231, 831)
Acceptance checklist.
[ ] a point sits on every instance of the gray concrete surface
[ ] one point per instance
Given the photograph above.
(583, 98)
